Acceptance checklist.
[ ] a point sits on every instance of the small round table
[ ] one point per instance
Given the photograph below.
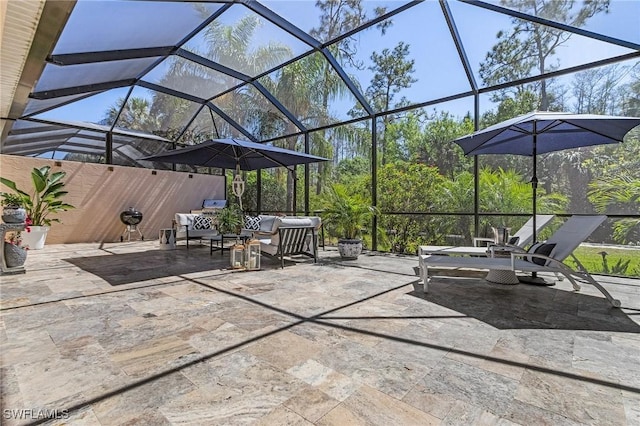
(501, 276)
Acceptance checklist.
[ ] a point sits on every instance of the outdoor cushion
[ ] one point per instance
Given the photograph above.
(316, 221)
(202, 222)
(540, 248)
(295, 221)
(184, 219)
(269, 223)
(252, 223)
(513, 241)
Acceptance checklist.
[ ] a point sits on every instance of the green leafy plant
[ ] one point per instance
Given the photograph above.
(229, 218)
(46, 198)
(10, 200)
(618, 268)
(618, 195)
(345, 213)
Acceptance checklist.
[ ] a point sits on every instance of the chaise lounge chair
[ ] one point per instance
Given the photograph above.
(562, 244)
(524, 236)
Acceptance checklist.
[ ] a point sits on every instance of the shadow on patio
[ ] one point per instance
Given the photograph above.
(126, 268)
(317, 343)
(527, 306)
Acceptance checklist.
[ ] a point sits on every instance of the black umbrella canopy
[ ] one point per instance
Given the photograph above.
(541, 132)
(231, 153)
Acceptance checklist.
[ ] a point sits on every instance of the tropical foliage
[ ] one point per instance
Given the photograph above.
(424, 187)
(621, 195)
(46, 197)
(346, 214)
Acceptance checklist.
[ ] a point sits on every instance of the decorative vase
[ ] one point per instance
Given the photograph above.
(34, 238)
(12, 214)
(349, 249)
(14, 255)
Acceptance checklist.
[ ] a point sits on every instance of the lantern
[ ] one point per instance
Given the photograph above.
(237, 255)
(252, 255)
(237, 185)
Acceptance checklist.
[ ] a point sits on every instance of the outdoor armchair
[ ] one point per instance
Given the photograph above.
(287, 236)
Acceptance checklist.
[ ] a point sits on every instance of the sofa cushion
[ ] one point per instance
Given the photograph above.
(184, 219)
(269, 223)
(201, 222)
(295, 222)
(252, 222)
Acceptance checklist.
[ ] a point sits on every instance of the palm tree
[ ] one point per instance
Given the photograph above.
(619, 195)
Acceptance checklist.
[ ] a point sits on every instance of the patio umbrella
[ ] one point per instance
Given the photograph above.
(540, 132)
(235, 154)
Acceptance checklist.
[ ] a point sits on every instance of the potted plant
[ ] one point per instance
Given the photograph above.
(46, 199)
(14, 253)
(347, 214)
(229, 220)
(12, 210)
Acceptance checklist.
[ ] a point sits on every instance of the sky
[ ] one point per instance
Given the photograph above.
(438, 72)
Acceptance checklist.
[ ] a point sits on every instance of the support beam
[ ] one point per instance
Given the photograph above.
(374, 181)
(108, 150)
(52, 20)
(108, 55)
(77, 90)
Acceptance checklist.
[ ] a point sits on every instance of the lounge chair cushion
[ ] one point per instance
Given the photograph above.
(544, 249)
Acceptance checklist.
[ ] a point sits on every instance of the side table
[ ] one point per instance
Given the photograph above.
(167, 239)
(501, 276)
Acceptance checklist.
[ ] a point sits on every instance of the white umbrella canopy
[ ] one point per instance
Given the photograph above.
(541, 132)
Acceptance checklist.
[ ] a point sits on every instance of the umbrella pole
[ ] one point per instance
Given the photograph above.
(534, 279)
(534, 180)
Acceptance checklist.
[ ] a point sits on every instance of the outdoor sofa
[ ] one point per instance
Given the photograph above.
(194, 226)
(286, 235)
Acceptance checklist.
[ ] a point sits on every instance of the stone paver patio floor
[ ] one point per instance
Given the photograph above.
(128, 334)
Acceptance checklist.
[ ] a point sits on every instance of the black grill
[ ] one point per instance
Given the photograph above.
(131, 218)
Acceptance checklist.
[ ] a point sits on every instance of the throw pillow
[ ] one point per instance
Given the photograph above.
(252, 222)
(202, 222)
(513, 241)
(540, 248)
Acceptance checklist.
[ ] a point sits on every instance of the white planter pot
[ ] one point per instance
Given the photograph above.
(34, 240)
(349, 249)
